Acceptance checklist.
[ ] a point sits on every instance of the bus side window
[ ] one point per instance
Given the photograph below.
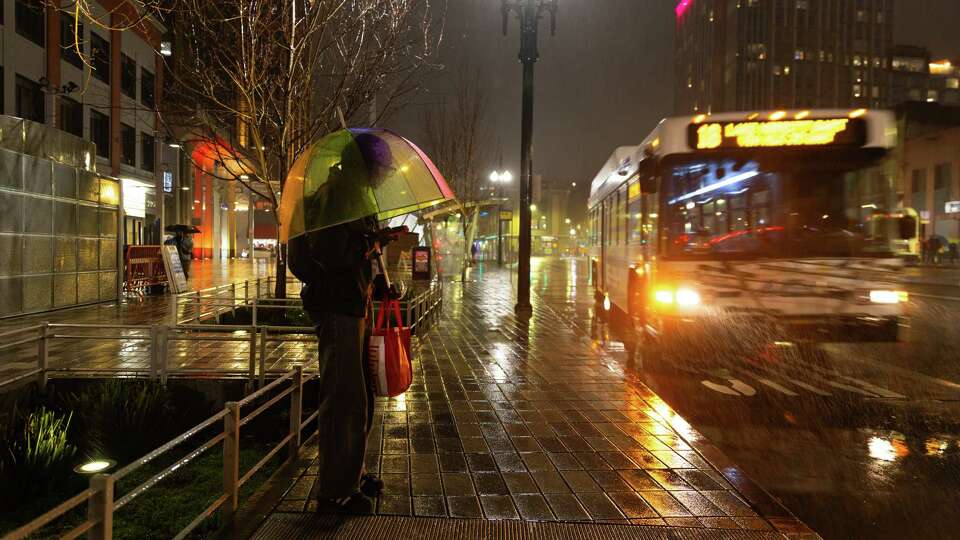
(651, 215)
(606, 223)
(615, 218)
(625, 213)
(635, 220)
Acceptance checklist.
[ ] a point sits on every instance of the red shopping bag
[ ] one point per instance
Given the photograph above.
(389, 353)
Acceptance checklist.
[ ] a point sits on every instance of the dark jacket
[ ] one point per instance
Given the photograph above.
(334, 268)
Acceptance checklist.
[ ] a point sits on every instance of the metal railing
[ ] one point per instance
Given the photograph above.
(205, 307)
(100, 496)
(35, 343)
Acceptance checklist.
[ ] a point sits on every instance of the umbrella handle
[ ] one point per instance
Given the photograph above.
(383, 269)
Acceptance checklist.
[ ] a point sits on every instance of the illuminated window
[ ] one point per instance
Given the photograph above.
(953, 83)
(932, 95)
(857, 91)
(799, 55)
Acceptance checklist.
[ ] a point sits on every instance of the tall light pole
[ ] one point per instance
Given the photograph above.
(499, 179)
(529, 13)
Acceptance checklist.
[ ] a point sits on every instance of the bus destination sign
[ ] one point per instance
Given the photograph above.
(846, 132)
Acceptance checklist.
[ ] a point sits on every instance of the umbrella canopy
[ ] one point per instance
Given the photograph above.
(189, 229)
(354, 173)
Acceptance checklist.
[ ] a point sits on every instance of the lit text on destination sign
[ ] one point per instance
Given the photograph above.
(778, 134)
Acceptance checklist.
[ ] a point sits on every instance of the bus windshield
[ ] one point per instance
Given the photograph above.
(788, 208)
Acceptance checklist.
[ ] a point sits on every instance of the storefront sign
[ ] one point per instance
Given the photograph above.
(421, 263)
(167, 181)
(952, 207)
(506, 215)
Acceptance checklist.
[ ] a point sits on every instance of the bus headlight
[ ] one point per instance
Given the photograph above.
(687, 297)
(682, 297)
(663, 296)
(888, 297)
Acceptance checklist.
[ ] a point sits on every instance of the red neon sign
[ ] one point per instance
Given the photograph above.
(682, 7)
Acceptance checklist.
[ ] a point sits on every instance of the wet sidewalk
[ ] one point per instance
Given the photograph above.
(149, 309)
(95, 355)
(533, 423)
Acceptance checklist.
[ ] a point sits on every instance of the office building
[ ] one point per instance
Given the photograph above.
(766, 54)
(81, 169)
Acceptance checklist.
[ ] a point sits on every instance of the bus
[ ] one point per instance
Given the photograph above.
(754, 225)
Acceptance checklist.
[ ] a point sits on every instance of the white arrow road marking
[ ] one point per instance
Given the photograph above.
(850, 388)
(720, 388)
(742, 387)
(813, 389)
(777, 387)
(875, 389)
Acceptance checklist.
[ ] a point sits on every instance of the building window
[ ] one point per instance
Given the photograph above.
(100, 132)
(128, 145)
(71, 116)
(68, 40)
(917, 181)
(147, 85)
(128, 76)
(147, 152)
(30, 17)
(941, 177)
(100, 56)
(30, 100)
(932, 95)
(953, 83)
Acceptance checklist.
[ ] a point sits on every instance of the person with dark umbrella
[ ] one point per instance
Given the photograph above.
(181, 239)
(335, 265)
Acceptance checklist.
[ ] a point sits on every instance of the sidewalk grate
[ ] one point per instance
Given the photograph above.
(304, 526)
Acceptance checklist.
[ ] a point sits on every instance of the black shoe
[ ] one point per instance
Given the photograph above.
(371, 485)
(354, 504)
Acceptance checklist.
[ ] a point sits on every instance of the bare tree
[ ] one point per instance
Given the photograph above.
(257, 81)
(276, 76)
(457, 136)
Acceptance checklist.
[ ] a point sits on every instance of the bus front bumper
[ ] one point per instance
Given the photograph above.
(748, 328)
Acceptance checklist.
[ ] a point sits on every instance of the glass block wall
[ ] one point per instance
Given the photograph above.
(58, 221)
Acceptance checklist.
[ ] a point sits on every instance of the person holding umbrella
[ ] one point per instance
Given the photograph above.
(334, 197)
(181, 239)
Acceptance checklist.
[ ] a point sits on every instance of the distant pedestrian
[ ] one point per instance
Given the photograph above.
(474, 249)
(936, 246)
(184, 244)
(954, 253)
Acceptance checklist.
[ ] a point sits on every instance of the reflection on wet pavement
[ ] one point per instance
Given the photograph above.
(509, 419)
(859, 440)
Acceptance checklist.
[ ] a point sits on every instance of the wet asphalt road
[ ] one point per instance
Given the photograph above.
(858, 440)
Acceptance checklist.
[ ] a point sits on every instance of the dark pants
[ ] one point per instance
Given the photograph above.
(346, 404)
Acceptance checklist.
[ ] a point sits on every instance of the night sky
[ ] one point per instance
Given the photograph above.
(603, 81)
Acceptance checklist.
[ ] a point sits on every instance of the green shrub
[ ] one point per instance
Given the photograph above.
(38, 455)
(123, 419)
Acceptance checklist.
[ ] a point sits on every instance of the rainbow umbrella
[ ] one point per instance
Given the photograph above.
(354, 173)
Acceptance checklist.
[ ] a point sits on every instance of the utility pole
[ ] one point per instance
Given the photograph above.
(529, 13)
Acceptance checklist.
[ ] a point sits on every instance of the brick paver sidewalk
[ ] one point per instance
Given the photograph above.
(509, 420)
(99, 354)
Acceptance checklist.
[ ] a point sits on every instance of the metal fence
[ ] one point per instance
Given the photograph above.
(161, 343)
(100, 496)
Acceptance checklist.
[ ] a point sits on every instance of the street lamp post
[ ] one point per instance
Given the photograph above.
(529, 13)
